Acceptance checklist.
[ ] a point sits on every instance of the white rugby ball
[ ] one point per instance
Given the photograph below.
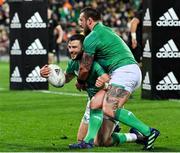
(56, 76)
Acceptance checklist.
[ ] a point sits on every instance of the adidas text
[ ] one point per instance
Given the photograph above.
(168, 55)
(35, 79)
(35, 25)
(15, 25)
(146, 86)
(168, 87)
(16, 52)
(167, 23)
(147, 54)
(14, 79)
(147, 23)
(36, 52)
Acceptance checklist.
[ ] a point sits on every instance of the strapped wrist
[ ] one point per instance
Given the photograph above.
(133, 35)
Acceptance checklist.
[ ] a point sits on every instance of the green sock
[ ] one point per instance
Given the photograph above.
(95, 121)
(118, 138)
(130, 119)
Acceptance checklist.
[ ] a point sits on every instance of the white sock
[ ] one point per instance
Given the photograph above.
(130, 137)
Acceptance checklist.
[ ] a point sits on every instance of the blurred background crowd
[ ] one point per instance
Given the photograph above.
(116, 14)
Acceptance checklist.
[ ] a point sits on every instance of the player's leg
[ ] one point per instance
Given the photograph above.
(82, 131)
(103, 137)
(96, 116)
(107, 137)
(95, 121)
(124, 81)
(83, 127)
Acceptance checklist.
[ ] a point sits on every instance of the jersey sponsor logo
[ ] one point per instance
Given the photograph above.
(15, 49)
(168, 19)
(147, 18)
(147, 50)
(146, 82)
(169, 82)
(15, 22)
(36, 48)
(169, 50)
(35, 76)
(15, 76)
(35, 21)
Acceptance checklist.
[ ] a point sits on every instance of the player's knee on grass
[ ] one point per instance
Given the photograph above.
(104, 135)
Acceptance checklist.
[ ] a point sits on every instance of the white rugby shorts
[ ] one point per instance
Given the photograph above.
(127, 77)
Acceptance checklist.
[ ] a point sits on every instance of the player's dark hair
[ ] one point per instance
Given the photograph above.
(91, 12)
(77, 37)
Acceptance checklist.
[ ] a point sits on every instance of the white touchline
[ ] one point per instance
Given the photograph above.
(56, 93)
(61, 93)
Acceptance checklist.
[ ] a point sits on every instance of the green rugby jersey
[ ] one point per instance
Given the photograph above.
(109, 50)
(96, 71)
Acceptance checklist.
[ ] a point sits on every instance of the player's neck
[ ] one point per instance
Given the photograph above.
(93, 25)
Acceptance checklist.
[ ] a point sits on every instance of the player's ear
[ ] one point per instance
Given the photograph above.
(90, 20)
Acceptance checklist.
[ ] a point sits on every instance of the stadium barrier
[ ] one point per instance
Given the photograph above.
(161, 56)
(28, 44)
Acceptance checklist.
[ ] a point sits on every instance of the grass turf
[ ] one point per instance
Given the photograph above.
(31, 121)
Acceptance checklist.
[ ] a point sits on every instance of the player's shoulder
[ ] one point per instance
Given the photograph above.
(91, 36)
(73, 62)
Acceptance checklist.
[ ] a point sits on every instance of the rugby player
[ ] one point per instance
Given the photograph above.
(96, 116)
(110, 51)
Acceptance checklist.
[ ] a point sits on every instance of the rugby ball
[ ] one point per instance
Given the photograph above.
(56, 76)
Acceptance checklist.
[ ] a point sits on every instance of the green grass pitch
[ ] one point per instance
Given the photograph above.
(32, 121)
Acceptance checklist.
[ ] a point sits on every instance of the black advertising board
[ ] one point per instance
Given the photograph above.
(28, 44)
(161, 56)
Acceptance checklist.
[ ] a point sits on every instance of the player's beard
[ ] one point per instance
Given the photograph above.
(79, 56)
(86, 31)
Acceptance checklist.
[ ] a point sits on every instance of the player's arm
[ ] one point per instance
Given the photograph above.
(134, 23)
(69, 77)
(102, 80)
(90, 45)
(59, 32)
(103, 77)
(85, 67)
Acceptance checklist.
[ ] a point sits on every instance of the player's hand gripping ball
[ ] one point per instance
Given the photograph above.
(56, 76)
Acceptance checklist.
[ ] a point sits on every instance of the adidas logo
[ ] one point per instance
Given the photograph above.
(15, 22)
(36, 48)
(169, 82)
(147, 19)
(146, 82)
(35, 21)
(34, 76)
(15, 49)
(147, 51)
(169, 19)
(16, 77)
(169, 50)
